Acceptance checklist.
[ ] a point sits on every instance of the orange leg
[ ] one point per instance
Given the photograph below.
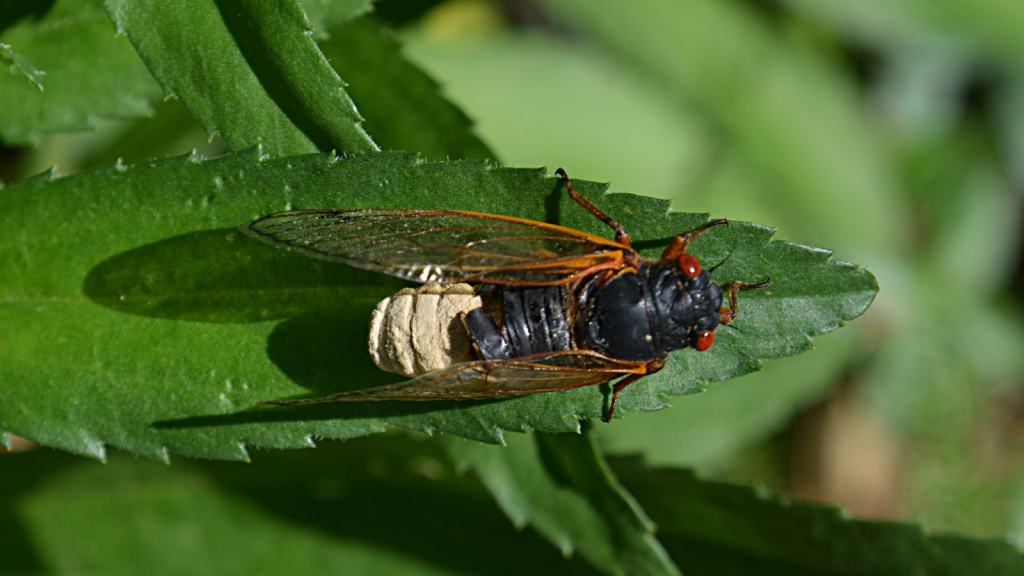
(726, 315)
(619, 386)
(621, 236)
(680, 242)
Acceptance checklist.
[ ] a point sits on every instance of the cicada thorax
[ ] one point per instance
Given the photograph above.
(420, 330)
(642, 315)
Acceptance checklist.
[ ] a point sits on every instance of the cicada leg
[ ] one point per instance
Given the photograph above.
(621, 236)
(677, 247)
(619, 386)
(726, 315)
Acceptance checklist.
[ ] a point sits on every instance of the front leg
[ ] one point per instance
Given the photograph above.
(652, 367)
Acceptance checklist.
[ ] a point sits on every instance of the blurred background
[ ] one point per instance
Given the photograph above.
(890, 131)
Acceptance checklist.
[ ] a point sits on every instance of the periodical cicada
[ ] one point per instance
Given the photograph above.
(549, 308)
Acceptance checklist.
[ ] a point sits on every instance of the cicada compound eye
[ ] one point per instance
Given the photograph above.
(689, 265)
(705, 340)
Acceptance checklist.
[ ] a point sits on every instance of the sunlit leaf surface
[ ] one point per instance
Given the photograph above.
(134, 313)
(249, 71)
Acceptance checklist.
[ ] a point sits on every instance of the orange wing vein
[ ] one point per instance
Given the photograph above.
(441, 245)
(495, 379)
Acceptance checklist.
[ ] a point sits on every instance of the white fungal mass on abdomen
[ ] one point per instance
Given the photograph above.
(419, 330)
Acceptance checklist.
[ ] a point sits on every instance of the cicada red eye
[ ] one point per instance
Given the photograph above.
(705, 340)
(689, 265)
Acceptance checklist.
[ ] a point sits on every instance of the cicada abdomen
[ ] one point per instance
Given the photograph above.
(420, 330)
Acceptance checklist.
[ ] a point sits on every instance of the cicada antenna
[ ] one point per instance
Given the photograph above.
(715, 267)
(733, 328)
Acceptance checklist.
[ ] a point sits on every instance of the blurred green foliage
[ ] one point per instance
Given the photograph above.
(892, 134)
(889, 130)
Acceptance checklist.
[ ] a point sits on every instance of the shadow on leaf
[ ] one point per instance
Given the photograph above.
(318, 412)
(222, 276)
(319, 350)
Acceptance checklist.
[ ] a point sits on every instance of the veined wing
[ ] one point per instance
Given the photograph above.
(495, 379)
(441, 245)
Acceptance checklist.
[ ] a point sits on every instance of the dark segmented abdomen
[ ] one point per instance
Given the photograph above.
(534, 322)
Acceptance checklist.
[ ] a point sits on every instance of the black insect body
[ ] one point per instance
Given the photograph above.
(561, 308)
(534, 321)
(642, 316)
(636, 316)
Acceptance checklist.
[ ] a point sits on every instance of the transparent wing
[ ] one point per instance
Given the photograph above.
(440, 245)
(495, 379)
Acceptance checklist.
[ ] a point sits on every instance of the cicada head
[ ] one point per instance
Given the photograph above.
(688, 307)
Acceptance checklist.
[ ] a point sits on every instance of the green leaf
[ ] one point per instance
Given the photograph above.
(171, 131)
(323, 14)
(394, 506)
(372, 507)
(707, 429)
(544, 101)
(248, 70)
(989, 28)
(561, 485)
(758, 87)
(938, 393)
(90, 72)
(723, 530)
(135, 314)
(20, 66)
(970, 207)
(403, 106)
(941, 397)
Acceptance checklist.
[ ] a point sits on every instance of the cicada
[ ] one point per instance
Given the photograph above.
(547, 308)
